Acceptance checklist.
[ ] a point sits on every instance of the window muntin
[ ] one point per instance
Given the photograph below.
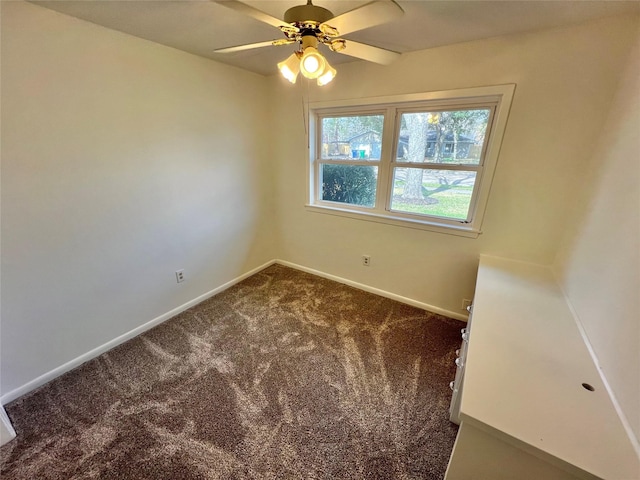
(455, 186)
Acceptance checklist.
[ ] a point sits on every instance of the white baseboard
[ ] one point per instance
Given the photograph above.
(76, 362)
(377, 291)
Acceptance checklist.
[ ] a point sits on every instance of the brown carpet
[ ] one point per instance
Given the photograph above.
(283, 376)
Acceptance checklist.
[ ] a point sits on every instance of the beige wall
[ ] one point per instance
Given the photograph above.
(565, 80)
(599, 263)
(122, 162)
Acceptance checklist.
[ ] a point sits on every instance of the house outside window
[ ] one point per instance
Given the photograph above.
(424, 161)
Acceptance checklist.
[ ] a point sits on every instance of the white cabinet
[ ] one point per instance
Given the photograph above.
(457, 383)
(524, 411)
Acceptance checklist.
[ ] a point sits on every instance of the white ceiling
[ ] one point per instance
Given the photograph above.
(200, 27)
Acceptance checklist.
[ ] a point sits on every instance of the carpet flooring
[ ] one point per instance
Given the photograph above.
(283, 376)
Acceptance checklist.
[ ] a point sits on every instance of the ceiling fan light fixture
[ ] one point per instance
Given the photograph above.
(309, 25)
(290, 67)
(328, 75)
(312, 63)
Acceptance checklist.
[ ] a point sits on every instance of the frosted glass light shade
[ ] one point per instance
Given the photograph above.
(328, 75)
(290, 68)
(310, 62)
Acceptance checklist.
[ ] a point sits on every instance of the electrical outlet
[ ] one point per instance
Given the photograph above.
(179, 276)
(366, 260)
(465, 303)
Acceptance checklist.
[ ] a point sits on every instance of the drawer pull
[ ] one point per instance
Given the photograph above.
(458, 362)
(451, 384)
(457, 352)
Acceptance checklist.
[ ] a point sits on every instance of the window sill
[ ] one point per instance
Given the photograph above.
(390, 219)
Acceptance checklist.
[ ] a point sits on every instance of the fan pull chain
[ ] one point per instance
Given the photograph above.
(305, 111)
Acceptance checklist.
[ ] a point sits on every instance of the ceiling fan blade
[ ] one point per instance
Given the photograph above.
(250, 46)
(252, 12)
(369, 52)
(369, 15)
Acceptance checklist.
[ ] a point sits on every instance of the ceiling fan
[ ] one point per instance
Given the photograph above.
(310, 25)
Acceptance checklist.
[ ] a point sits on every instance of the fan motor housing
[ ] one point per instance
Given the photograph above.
(307, 13)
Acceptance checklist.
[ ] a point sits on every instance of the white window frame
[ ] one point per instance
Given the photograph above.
(497, 98)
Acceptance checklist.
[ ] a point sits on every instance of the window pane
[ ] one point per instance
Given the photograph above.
(351, 184)
(440, 193)
(352, 137)
(455, 136)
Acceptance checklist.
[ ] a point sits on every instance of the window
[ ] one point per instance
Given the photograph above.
(423, 160)
(349, 158)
